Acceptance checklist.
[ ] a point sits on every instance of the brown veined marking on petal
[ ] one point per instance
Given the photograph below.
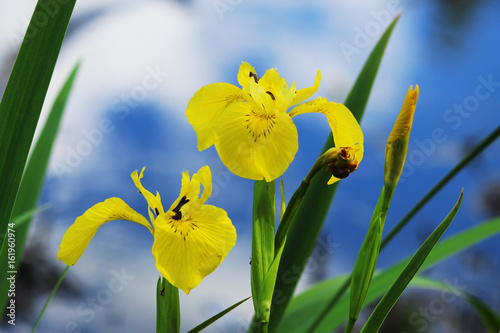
(259, 124)
(255, 77)
(177, 209)
(157, 211)
(271, 94)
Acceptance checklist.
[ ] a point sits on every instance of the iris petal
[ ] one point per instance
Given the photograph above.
(187, 250)
(345, 128)
(154, 202)
(306, 93)
(255, 145)
(246, 75)
(205, 107)
(79, 234)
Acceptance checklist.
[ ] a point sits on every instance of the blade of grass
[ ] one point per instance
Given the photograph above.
(307, 225)
(32, 180)
(399, 286)
(61, 278)
(210, 321)
(24, 95)
(303, 308)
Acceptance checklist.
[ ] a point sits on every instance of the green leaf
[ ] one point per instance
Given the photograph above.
(262, 246)
(307, 224)
(303, 309)
(25, 93)
(489, 317)
(61, 278)
(210, 321)
(364, 268)
(27, 216)
(398, 287)
(168, 313)
(32, 181)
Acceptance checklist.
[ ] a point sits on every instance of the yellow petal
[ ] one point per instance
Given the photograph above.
(303, 94)
(189, 199)
(247, 74)
(345, 129)
(188, 250)
(154, 202)
(205, 107)
(272, 92)
(253, 144)
(79, 234)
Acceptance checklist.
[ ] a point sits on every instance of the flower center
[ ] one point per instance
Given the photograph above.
(259, 124)
(182, 228)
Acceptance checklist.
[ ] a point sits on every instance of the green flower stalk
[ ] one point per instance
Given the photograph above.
(395, 154)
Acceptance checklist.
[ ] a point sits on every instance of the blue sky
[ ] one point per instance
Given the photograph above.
(143, 60)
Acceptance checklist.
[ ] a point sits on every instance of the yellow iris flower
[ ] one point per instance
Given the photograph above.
(251, 128)
(190, 239)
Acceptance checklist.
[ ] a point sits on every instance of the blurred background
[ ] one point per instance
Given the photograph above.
(141, 62)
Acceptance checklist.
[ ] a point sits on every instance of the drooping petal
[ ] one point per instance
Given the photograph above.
(154, 202)
(255, 145)
(188, 250)
(345, 129)
(306, 93)
(79, 234)
(205, 107)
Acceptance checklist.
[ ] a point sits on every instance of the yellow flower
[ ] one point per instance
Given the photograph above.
(190, 239)
(251, 128)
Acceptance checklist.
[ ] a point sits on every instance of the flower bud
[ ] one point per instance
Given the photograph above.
(341, 161)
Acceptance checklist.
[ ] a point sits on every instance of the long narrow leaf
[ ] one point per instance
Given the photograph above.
(25, 93)
(309, 220)
(32, 180)
(210, 321)
(303, 308)
(53, 292)
(399, 286)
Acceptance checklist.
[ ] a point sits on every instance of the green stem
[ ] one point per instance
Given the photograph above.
(350, 325)
(263, 221)
(168, 314)
(50, 298)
